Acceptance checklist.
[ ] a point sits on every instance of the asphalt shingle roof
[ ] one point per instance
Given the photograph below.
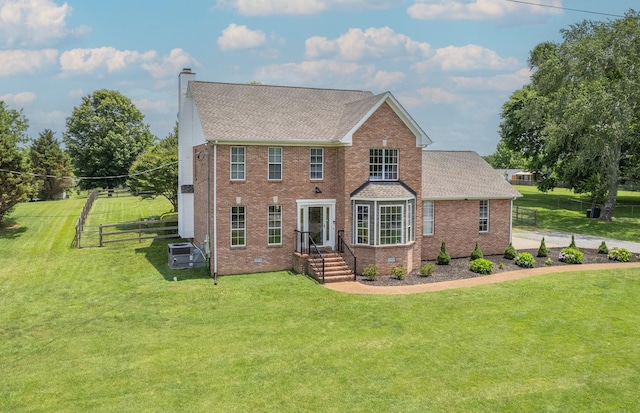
(462, 175)
(383, 190)
(278, 113)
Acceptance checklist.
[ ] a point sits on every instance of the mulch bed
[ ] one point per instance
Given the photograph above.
(458, 268)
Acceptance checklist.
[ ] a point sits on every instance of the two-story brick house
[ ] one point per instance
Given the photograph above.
(269, 174)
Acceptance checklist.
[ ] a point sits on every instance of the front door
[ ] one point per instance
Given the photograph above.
(317, 225)
(317, 218)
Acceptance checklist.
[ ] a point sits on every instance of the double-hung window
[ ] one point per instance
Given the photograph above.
(484, 216)
(427, 218)
(362, 224)
(316, 164)
(238, 226)
(274, 225)
(383, 164)
(275, 164)
(238, 165)
(391, 224)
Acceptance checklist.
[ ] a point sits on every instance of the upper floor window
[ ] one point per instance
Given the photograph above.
(427, 218)
(484, 216)
(238, 165)
(383, 164)
(275, 164)
(316, 163)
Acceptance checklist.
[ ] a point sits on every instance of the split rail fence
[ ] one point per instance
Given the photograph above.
(138, 231)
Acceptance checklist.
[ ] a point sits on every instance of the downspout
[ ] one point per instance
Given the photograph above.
(511, 220)
(215, 213)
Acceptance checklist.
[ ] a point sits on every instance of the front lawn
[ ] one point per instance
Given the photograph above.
(107, 330)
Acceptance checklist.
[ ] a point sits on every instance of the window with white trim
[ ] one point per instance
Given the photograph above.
(427, 218)
(238, 226)
(316, 164)
(390, 224)
(409, 222)
(274, 225)
(275, 164)
(484, 215)
(237, 163)
(383, 164)
(362, 224)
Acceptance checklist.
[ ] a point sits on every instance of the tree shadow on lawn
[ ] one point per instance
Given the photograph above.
(158, 255)
(10, 229)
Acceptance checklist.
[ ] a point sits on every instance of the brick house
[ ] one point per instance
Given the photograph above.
(274, 178)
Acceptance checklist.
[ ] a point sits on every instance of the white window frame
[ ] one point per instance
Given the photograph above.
(428, 217)
(274, 224)
(316, 175)
(384, 164)
(400, 225)
(409, 225)
(359, 226)
(238, 225)
(483, 216)
(238, 167)
(276, 161)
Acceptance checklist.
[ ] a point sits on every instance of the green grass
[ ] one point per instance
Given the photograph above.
(562, 210)
(106, 330)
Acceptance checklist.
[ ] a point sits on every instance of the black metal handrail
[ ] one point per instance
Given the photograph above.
(313, 247)
(341, 245)
(306, 245)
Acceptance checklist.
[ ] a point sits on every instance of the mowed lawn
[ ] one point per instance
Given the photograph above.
(108, 330)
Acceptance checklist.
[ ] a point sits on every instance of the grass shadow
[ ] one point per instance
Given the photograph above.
(10, 229)
(158, 255)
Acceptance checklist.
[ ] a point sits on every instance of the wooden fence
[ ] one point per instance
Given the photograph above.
(138, 231)
(525, 216)
(83, 217)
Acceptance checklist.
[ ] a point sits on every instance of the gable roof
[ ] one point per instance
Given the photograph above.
(455, 175)
(392, 190)
(260, 113)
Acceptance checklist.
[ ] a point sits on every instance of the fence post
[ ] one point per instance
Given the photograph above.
(100, 234)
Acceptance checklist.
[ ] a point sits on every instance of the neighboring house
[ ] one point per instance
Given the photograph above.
(517, 176)
(269, 176)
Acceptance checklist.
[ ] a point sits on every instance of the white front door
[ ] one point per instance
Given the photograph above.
(317, 218)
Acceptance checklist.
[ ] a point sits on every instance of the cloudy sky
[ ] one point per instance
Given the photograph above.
(451, 63)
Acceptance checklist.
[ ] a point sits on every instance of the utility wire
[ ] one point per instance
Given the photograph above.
(564, 8)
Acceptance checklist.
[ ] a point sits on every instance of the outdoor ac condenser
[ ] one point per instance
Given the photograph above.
(183, 255)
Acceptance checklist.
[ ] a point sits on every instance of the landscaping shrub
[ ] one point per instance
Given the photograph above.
(543, 251)
(400, 272)
(603, 249)
(525, 260)
(549, 261)
(371, 272)
(619, 254)
(427, 269)
(481, 266)
(510, 252)
(571, 256)
(443, 257)
(476, 253)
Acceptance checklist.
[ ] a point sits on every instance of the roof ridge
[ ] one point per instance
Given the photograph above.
(284, 86)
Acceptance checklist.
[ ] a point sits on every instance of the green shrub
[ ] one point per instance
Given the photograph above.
(427, 269)
(573, 242)
(443, 257)
(525, 260)
(571, 256)
(400, 272)
(510, 252)
(481, 266)
(549, 261)
(501, 265)
(603, 249)
(476, 253)
(619, 254)
(371, 272)
(543, 251)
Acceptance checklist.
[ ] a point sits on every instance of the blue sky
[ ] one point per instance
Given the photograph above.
(450, 63)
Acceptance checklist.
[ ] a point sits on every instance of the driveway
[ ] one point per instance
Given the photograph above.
(531, 240)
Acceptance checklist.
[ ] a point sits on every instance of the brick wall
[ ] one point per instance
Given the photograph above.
(456, 223)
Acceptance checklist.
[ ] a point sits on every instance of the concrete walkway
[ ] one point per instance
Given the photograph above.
(521, 241)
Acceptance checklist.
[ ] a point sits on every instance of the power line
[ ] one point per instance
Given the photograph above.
(564, 8)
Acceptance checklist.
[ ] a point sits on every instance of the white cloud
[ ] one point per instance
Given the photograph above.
(170, 65)
(382, 80)
(504, 83)
(372, 42)
(469, 57)
(301, 7)
(321, 72)
(99, 59)
(19, 99)
(35, 22)
(236, 37)
(156, 106)
(477, 9)
(14, 62)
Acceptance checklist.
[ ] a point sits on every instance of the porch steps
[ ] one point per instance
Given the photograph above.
(335, 268)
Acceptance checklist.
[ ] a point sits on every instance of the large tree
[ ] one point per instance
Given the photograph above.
(104, 136)
(155, 172)
(16, 183)
(51, 164)
(505, 158)
(577, 122)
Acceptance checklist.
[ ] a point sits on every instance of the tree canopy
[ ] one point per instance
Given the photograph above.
(51, 164)
(16, 183)
(155, 171)
(578, 120)
(104, 136)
